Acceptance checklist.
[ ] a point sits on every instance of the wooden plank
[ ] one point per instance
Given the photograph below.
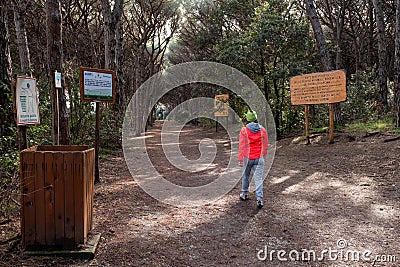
(28, 189)
(49, 199)
(39, 199)
(79, 197)
(69, 199)
(59, 197)
(87, 194)
(61, 148)
(91, 183)
(22, 189)
(90, 189)
(85, 197)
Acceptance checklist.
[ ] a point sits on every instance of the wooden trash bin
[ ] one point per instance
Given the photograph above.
(56, 195)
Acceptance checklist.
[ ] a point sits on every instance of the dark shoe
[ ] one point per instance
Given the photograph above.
(243, 197)
(259, 204)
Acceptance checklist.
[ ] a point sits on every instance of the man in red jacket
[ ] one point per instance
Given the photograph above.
(253, 146)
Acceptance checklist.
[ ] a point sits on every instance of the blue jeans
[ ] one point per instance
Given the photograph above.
(257, 165)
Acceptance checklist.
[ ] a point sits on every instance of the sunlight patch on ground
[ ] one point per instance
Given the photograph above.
(312, 182)
(384, 211)
(127, 183)
(279, 180)
(302, 206)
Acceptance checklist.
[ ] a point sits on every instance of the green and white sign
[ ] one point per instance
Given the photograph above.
(97, 85)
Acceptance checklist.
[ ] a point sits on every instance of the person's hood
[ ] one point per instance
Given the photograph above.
(254, 127)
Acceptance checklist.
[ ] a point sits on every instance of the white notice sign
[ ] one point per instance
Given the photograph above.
(27, 101)
(97, 85)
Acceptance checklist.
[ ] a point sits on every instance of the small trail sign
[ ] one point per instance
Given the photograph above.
(57, 79)
(318, 88)
(221, 106)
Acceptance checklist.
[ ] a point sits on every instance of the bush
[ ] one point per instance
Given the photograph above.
(9, 168)
(181, 116)
(362, 95)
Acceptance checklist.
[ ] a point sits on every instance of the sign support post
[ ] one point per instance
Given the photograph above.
(97, 85)
(331, 123)
(307, 124)
(97, 144)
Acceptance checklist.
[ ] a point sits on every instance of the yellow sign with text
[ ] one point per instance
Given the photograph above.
(318, 88)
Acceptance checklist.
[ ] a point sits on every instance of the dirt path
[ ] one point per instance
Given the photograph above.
(336, 202)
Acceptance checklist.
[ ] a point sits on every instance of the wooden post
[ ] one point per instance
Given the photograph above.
(216, 124)
(97, 144)
(331, 123)
(22, 136)
(306, 109)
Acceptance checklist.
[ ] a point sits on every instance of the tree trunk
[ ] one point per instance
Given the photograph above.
(112, 42)
(264, 73)
(113, 57)
(370, 34)
(6, 114)
(382, 71)
(339, 58)
(24, 57)
(324, 53)
(60, 120)
(22, 39)
(120, 94)
(319, 35)
(397, 67)
(278, 110)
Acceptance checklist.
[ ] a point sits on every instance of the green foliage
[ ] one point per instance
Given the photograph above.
(362, 95)
(9, 158)
(374, 126)
(274, 47)
(111, 130)
(9, 167)
(181, 116)
(206, 122)
(82, 115)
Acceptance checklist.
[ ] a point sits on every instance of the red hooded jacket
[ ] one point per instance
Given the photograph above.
(253, 142)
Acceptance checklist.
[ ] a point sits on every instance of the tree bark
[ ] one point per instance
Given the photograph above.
(397, 67)
(325, 58)
(60, 120)
(6, 114)
(319, 35)
(22, 39)
(112, 24)
(382, 71)
(24, 57)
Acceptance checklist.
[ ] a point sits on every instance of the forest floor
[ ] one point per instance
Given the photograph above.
(336, 202)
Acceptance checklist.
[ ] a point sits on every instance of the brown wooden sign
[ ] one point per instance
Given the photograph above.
(220, 105)
(318, 88)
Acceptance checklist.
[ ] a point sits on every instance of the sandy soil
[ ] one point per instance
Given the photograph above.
(335, 202)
